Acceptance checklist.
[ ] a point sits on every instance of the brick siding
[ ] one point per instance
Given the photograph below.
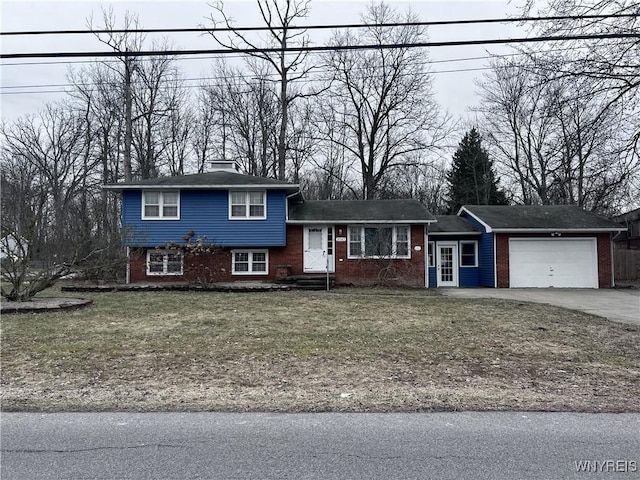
(603, 241)
(217, 267)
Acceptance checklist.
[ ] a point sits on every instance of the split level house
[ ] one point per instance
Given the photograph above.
(223, 226)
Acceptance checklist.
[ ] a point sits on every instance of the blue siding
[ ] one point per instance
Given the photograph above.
(206, 212)
(486, 277)
(468, 277)
(433, 280)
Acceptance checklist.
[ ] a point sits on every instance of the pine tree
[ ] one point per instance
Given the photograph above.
(472, 180)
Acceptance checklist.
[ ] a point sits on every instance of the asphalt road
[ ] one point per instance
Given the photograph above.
(319, 446)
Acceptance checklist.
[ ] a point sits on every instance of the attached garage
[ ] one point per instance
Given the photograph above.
(542, 246)
(557, 262)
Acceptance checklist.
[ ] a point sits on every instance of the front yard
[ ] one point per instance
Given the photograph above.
(351, 350)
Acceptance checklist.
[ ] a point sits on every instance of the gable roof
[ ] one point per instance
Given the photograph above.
(359, 211)
(539, 218)
(207, 181)
(628, 216)
(452, 224)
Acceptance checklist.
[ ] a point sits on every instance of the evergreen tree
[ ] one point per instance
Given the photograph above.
(471, 179)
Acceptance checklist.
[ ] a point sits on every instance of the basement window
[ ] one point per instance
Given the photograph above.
(250, 262)
(164, 262)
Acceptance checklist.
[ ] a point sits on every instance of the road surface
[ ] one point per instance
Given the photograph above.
(324, 446)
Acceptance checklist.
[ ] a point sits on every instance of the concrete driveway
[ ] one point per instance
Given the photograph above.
(616, 305)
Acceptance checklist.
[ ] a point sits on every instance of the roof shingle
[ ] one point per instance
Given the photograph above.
(540, 217)
(360, 211)
(210, 180)
(452, 224)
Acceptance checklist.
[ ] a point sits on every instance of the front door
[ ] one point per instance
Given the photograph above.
(318, 249)
(447, 264)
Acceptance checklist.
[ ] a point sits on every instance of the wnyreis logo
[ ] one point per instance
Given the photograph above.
(606, 466)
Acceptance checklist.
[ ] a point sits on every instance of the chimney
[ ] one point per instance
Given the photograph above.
(222, 166)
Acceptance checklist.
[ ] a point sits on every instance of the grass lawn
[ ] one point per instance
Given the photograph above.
(351, 350)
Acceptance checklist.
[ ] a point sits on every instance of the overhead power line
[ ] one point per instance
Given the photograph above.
(324, 48)
(448, 60)
(269, 76)
(63, 87)
(320, 27)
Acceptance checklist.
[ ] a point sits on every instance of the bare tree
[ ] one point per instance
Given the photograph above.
(608, 64)
(20, 283)
(559, 140)
(97, 94)
(176, 131)
(23, 197)
(611, 63)
(154, 96)
(425, 181)
(124, 43)
(330, 173)
(50, 167)
(279, 16)
(302, 143)
(384, 97)
(205, 137)
(246, 113)
(54, 146)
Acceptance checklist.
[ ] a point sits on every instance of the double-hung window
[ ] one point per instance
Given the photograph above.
(355, 242)
(469, 253)
(379, 242)
(247, 205)
(164, 262)
(250, 262)
(160, 205)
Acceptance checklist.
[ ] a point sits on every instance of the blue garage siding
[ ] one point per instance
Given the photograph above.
(206, 213)
(486, 273)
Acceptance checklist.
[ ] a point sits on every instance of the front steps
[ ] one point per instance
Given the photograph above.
(308, 282)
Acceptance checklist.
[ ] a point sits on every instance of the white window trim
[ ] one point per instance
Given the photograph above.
(165, 261)
(394, 241)
(475, 246)
(160, 206)
(250, 252)
(247, 205)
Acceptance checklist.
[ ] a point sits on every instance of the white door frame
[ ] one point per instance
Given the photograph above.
(319, 260)
(446, 264)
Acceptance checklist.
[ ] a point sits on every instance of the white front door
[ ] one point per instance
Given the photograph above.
(318, 249)
(447, 264)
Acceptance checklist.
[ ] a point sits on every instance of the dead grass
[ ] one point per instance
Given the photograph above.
(354, 350)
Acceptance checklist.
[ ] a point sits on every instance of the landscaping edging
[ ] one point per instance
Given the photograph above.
(182, 287)
(44, 304)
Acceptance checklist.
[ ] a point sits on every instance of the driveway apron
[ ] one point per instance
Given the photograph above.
(621, 306)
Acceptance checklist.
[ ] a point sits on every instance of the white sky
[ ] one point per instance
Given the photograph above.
(455, 91)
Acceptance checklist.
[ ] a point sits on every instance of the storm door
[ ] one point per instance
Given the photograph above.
(447, 264)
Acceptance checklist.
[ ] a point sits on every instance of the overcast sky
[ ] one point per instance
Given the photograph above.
(24, 80)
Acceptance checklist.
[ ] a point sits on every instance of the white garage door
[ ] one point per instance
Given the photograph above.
(559, 262)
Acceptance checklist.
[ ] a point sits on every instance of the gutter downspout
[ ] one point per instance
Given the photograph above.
(426, 255)
(612, 237)
(495, 261)
(128, 277)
